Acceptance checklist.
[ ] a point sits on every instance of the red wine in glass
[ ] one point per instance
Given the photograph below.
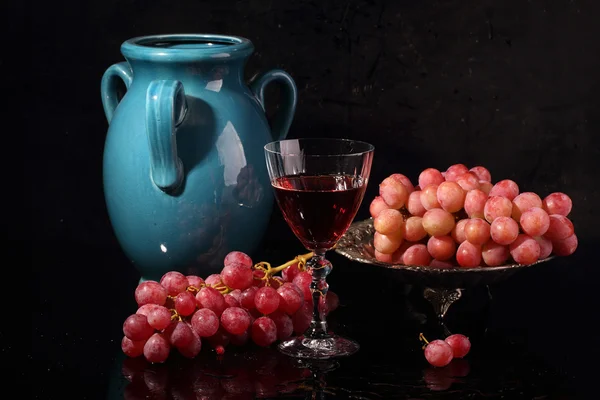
(319, 185)
(319, 208)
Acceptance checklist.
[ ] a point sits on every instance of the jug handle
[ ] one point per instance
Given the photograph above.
(166, 108)
(284, 116)
(108, 86)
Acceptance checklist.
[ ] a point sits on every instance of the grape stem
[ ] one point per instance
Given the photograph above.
(424, 340)
(270, 271)
(175, 316)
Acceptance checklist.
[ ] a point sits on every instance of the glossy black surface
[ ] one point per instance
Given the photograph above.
(512, 85)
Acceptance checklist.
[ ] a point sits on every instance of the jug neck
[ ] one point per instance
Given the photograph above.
(199, 57)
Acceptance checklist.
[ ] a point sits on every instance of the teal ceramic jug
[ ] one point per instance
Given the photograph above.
(185, 178)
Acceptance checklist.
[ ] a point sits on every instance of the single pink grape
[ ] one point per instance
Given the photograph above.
(377, 205)
(264, 331)
(266, 300)
(535, 221)
(195, 281)
(524, 202)
(458, 232)
(438, 222)
(430, 176)
(468, 181)
(150, 292)
(413, 229)
(302, 318)
(558, 203)
(460, 344)
(231, 301)
(482, 173)
(247, 298)
(451, 196)
(438, 353)
(291, 299)
(237, 276)
(185, 303)
(545, 246)
(505, 188)
(405, 181)
(239, 258)
(146, 308)
(136, 327)
(160, 317)
(193, 348)
(441, 248)
(179, 334)
(388, 222)
(494, 254)
(212, 299)
(429, 198)
(477, 231)
(157, 349)
(174, 282)
(303, 280)
(205, 322)
(497, 206)
(525, 250)
(283, 324)
(393, 192)
(416, 254)
(290, 272)
(454, 171)
(132, 348)
(414, 205)
(560, 228)
(565, 247)
(468, 255)
(235, 320)
(504, 230)
(475, 203)
(387, 244)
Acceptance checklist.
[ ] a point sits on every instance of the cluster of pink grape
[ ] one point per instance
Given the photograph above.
(460, 218)
(240, 303)
(440, 353)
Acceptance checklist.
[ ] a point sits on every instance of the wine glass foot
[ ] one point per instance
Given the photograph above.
(318, 348)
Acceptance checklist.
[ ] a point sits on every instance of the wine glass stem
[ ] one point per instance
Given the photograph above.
(319, 268)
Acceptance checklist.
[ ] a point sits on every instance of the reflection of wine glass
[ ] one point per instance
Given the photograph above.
(319, 185)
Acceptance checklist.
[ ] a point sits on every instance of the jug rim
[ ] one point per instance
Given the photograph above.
(199, 46)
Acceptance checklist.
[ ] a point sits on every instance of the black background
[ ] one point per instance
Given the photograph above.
(512, 85)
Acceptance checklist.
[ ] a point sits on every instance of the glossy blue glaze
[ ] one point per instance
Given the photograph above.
(185, 179)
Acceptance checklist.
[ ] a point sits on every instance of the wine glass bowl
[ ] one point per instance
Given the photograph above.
(319, 185)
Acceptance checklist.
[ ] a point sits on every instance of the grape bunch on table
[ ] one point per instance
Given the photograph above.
(459, 218)
(245, 303)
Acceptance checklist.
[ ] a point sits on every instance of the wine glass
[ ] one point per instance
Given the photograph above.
(319, 185)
